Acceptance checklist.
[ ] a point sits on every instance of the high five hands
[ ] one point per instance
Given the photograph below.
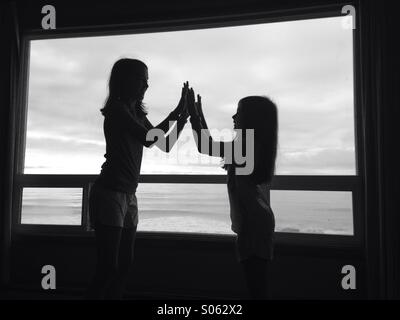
(194, 107)
(181, 110)
(188, 106)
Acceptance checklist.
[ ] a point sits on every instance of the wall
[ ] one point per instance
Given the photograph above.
(189, 268)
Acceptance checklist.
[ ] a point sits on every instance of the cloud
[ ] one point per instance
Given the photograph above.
(304, 66)
(317, 161)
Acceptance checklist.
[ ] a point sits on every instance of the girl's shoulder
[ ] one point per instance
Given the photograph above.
(118, 109)
(113, 106)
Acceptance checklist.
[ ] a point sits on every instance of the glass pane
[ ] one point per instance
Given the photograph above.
(323, 212)
(202, 208)
(62, 206)
(305, 66)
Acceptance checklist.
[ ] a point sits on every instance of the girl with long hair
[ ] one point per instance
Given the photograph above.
(251, 215)
(113, 208)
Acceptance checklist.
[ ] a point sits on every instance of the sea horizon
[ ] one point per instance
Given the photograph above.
(199, 208)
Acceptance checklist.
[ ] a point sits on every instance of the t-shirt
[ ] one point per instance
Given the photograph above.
(125, 136)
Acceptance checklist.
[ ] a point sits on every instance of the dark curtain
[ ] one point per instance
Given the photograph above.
(380, 102)
(9, 64)
(390, 142)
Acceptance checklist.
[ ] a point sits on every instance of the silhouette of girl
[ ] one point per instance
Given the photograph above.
(113, 206)
(251, 215)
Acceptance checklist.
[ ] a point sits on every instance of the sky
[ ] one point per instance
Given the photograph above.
(304, 66)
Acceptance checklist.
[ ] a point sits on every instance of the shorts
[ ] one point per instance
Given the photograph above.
(112, 208)
(256, 236)
(249, 245)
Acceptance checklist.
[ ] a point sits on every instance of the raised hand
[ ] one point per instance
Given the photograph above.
(199, 110)
(198, 107)
(185, 112)
(191, 103)
(183, 101)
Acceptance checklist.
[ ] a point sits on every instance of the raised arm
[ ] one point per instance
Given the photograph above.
(145, 132)
(204, 141)
(176, 113)
(166, 142)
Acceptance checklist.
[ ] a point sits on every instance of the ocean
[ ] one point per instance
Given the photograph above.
(199, 208)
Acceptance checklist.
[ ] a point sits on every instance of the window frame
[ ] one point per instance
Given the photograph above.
(352, 183)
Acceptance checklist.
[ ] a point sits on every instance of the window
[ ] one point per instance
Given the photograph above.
(52, 206)
(293, 62)
(173, 207)
(321, 212)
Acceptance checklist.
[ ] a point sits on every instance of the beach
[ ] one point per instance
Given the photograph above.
(198, 208)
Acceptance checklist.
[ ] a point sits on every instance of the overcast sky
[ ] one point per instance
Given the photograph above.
(306, 67)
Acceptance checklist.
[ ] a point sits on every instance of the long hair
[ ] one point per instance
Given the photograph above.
(261, 114)
(119, 84)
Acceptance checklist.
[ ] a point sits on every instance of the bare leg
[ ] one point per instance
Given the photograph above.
(107, 241)
(125, 261)
(255, 271)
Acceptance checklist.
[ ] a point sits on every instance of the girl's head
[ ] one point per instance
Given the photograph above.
(128, 83)
(261, 114)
